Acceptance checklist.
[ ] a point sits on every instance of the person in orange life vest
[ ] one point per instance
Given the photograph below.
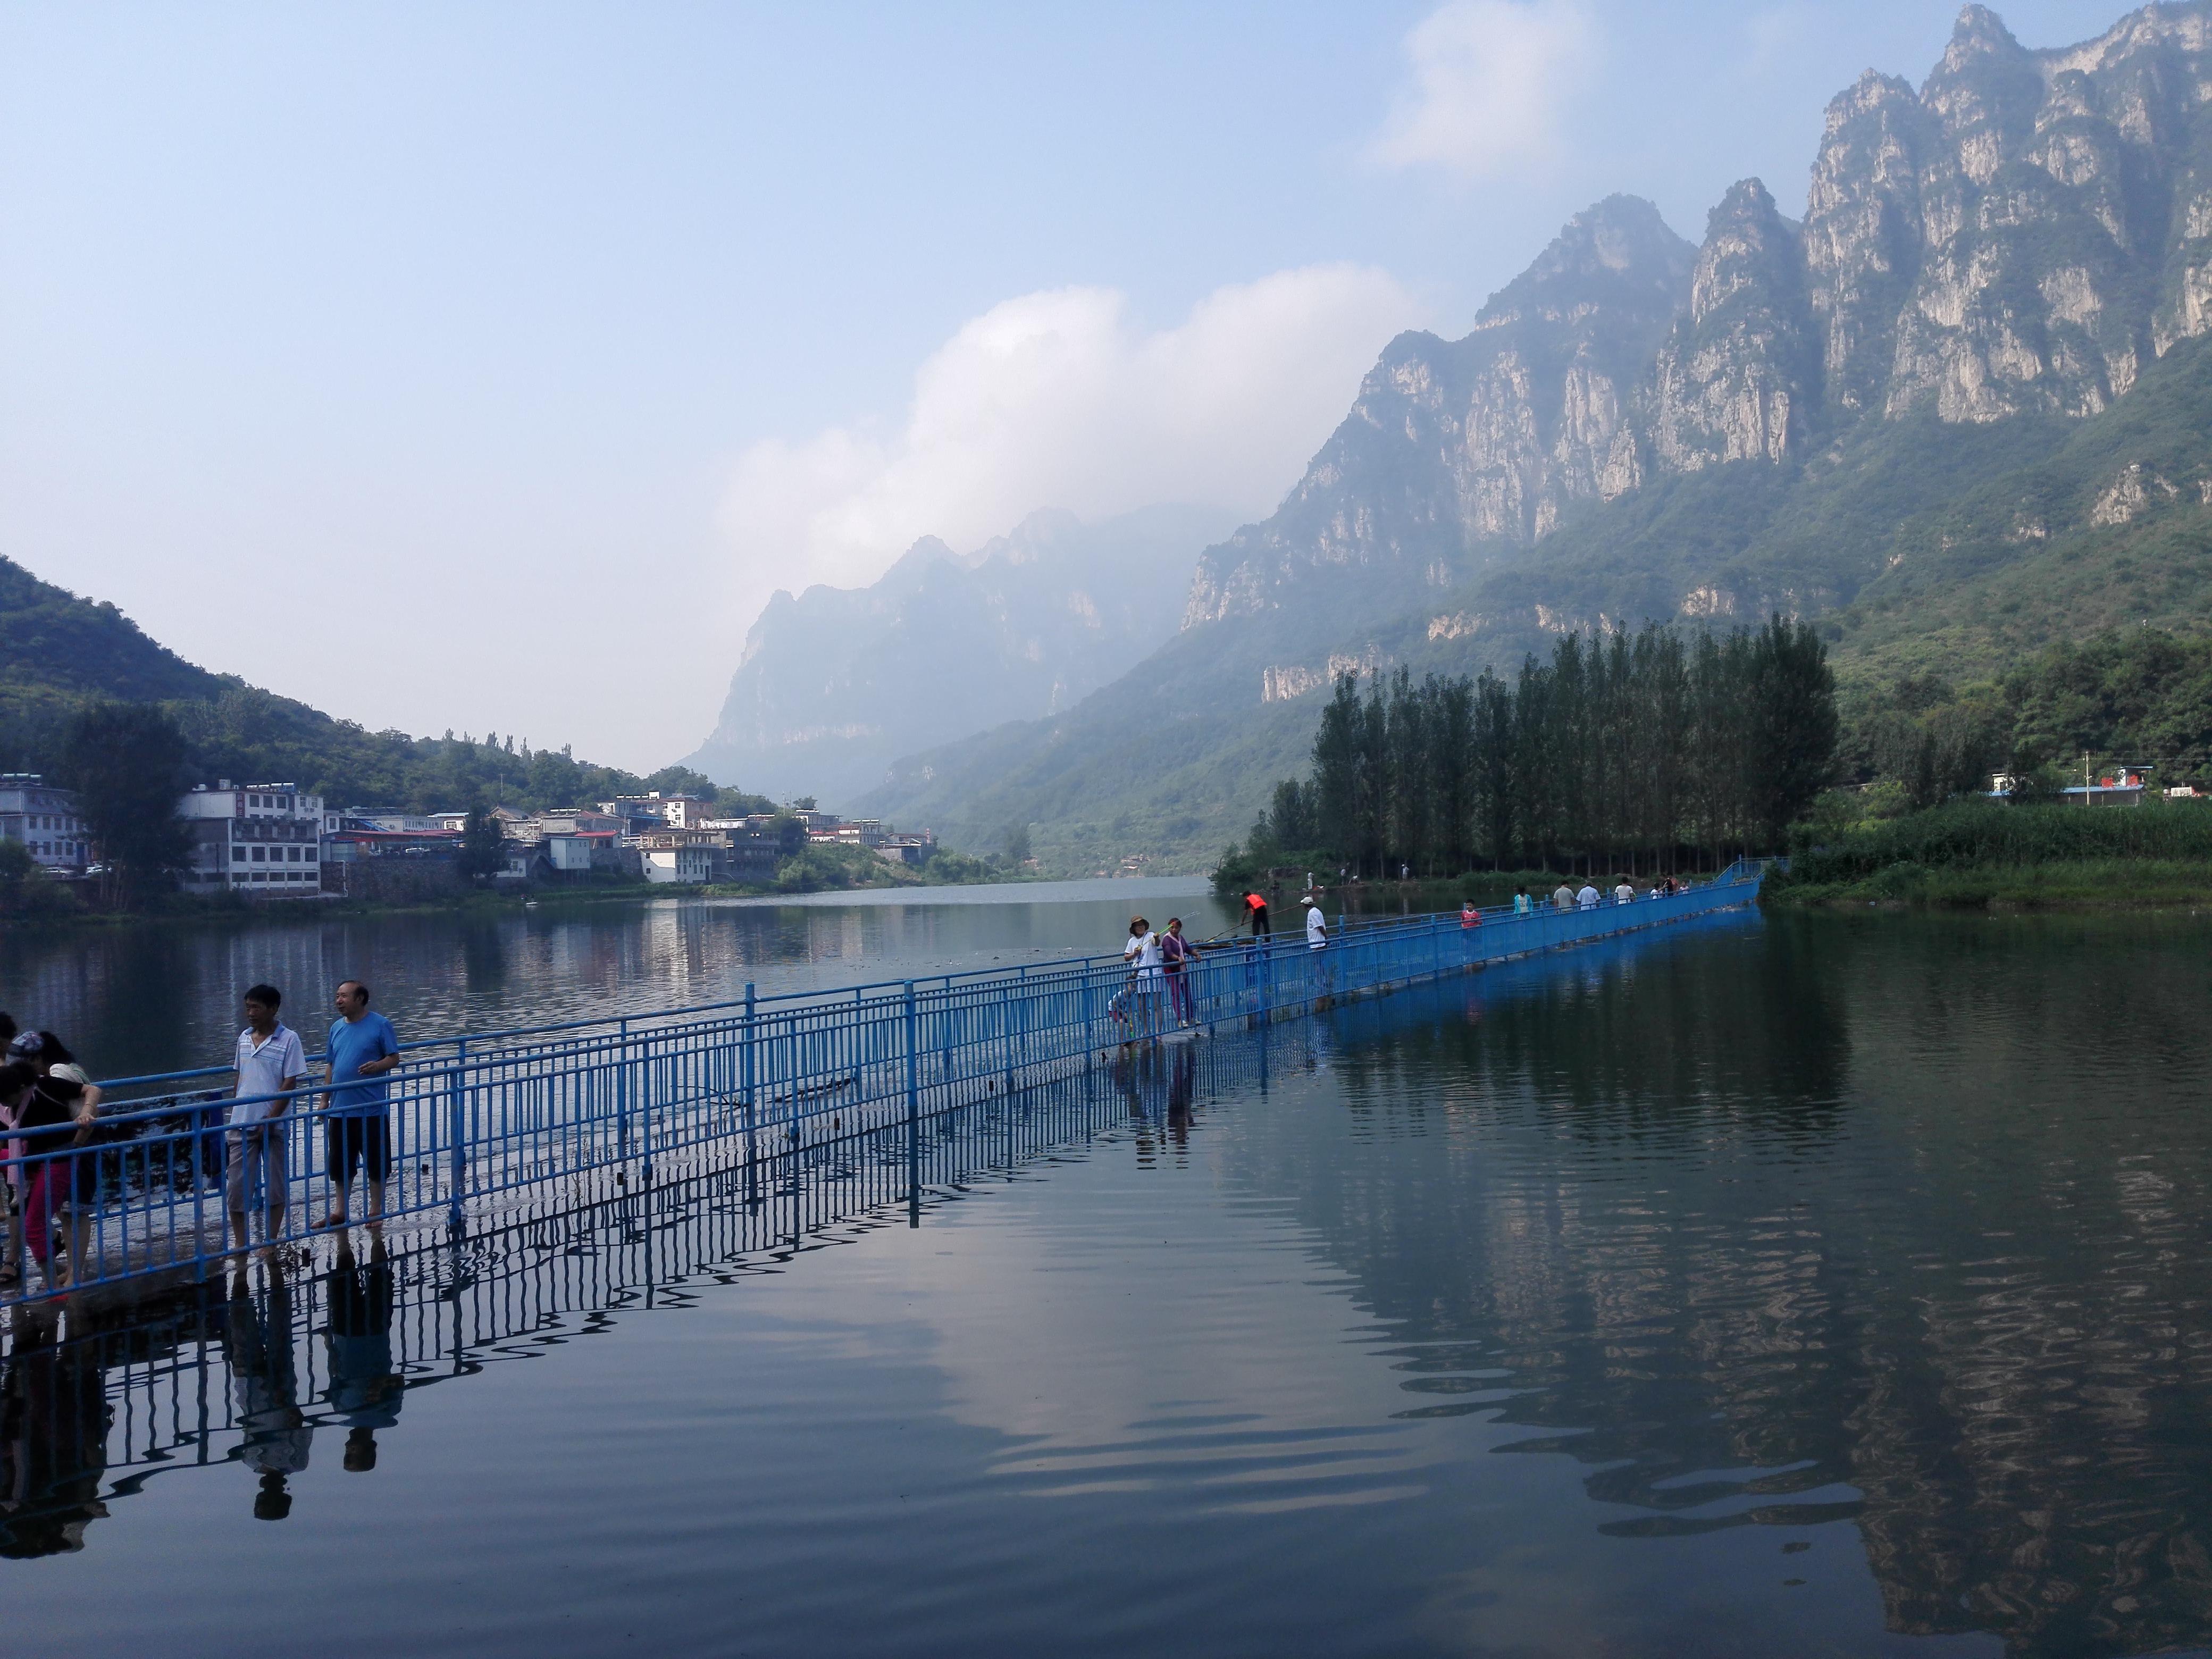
(1257, 907)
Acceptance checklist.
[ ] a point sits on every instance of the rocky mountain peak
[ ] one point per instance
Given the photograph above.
(2017, 237)
(1617, 251)
(1862, 231)
(1740, 373)
(1984, 92)
(1979, 32)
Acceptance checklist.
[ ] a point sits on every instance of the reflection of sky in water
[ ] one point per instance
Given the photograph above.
(1759, 1288)
(159, 996)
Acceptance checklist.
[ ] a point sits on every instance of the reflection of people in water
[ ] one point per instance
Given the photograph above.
(365, 1388)
(258, 1340)
(53, 1444)
(1181, 1077)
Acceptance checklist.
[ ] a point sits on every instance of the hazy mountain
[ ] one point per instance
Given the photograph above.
(838, 683)
(1961, 401)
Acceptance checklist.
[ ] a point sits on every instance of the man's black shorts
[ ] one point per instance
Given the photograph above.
(359, 1142)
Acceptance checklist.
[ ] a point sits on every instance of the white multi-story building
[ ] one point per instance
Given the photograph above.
(45, 818)
(264, 840)
(640, 813)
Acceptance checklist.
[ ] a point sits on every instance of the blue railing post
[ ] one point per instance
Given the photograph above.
(645, 1116)
(913, 1115)
(622, 1094)
(752, 1153)
(456, 1133)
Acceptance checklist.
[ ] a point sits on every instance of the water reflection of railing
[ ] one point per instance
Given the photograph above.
(488, 1127)
(97, 1402)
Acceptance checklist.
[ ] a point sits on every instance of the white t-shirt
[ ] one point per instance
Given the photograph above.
(1623, 894)
(263, 1066)
(1587, 899)
(1316, 928)
(1144, 951)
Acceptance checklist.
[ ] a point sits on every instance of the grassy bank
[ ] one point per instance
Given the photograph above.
(1976, 854)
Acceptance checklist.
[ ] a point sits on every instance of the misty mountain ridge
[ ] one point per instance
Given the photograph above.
(1881, 415)
(836, 684)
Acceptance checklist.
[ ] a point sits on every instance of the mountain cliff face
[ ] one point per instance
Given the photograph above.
(1739, 374)
(836, 682)
(1453, 444)
(1964, 400)
(2019, 237)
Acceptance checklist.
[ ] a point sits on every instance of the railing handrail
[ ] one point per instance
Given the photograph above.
(891, 989)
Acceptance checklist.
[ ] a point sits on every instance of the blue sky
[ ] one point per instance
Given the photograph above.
(447, 365)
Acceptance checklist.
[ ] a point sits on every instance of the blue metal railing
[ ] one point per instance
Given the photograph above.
(488, 1123)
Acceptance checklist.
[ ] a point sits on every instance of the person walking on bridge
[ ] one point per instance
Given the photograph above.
(360, 1049)
(1588, 897)
(1563, 895)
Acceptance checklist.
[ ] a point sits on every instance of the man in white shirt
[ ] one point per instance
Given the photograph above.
(269, 1061)
(1626, 893)
(1586, 899)
(1316, 927)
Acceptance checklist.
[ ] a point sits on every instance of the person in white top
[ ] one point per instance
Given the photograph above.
(1143, 950)
(1586, 899)
(270, 1062)
(1626, 893)
(1316, 927)
(1142, 954)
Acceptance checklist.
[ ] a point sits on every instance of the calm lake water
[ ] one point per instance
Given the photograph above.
(1804, 1285)
(164, 996)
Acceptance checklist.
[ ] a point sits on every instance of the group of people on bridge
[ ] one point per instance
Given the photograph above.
(52, 1133)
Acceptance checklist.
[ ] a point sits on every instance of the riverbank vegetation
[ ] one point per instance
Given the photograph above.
(835, 868)
(1645, 752)
(1976, 852)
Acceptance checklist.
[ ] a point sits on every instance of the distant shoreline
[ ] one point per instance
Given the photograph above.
(181, 909)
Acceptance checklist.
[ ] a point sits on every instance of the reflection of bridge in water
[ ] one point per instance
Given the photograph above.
(101, 1399)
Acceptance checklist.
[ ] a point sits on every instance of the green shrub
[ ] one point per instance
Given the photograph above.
(1983, 834)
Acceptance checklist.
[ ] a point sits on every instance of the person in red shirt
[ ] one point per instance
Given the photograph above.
(1257, 907)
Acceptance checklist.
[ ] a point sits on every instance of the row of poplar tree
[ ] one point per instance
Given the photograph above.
(1648, 751)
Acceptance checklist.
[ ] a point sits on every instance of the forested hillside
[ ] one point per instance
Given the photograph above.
(64, 652)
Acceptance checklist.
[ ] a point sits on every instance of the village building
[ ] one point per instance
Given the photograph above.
(262, 840)
(46, 818)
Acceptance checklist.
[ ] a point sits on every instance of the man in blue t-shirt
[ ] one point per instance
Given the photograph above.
(360, 1048)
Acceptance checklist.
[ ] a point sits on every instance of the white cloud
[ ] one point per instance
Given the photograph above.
(1058, 399)
(1488, 80)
